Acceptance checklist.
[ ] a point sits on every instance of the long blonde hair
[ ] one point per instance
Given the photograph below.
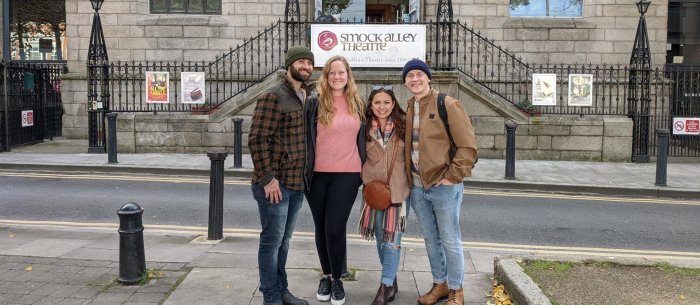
(326, 105)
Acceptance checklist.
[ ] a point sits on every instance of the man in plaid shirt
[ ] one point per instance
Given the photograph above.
(276, 143)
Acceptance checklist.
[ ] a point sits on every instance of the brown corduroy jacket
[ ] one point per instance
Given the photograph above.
(434, 143)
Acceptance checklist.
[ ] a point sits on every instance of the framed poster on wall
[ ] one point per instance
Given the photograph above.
(544, 89)
(157, 87)
(580, 89)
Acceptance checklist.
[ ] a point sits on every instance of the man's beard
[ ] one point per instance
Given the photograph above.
(297, 76)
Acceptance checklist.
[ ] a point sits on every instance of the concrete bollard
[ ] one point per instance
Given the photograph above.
(112, 138)
(216, 196)
(237, 143)
(510, 150)
(661, 156)
(132, 259)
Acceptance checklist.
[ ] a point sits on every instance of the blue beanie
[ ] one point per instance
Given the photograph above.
(416, 64)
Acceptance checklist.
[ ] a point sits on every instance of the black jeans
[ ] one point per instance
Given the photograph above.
(331, 197)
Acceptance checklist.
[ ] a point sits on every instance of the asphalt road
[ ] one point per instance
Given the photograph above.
(487, 216)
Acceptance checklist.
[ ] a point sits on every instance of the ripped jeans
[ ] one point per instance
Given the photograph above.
(389, 252)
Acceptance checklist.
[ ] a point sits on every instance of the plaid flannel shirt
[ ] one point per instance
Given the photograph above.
(276, 139)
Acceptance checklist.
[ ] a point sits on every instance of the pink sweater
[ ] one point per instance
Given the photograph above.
(336, 146)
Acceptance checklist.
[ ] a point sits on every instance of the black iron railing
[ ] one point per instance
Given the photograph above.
(30, 92)
(228, 75)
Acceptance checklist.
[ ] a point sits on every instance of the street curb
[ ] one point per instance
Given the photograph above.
(519, 286)
(652, 191)
(469, 182)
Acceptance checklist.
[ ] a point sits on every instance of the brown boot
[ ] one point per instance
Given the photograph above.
(382, 297)
(456, 297)
(437, 292)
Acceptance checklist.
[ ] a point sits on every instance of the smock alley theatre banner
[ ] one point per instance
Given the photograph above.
(368, 45)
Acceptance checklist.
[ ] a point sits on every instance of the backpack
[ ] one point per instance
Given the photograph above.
(442, 111)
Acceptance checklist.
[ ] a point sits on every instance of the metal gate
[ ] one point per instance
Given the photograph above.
(30, 103)
(685, 102)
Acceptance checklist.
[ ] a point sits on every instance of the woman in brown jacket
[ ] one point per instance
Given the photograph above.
(385, 128)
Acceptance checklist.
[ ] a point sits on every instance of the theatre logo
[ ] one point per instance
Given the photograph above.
(369, 45)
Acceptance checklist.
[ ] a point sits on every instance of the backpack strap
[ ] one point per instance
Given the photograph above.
(442, 111)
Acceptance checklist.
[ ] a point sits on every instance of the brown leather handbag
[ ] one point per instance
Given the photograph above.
(377, 193)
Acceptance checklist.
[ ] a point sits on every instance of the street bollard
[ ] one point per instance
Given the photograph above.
(216, 196)
(237, 143)
(132, 260)
(510, 150)
(661, 156)
(112, 138)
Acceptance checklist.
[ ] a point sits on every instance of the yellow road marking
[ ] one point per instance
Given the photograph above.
(406, 241)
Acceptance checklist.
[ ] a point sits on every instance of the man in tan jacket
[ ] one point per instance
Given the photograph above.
(440, 160)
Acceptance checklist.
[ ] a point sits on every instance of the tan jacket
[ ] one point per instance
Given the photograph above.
(434, 143)
(377, 166)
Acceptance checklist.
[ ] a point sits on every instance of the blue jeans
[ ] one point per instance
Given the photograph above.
(389, 252)
(437, 211)
(277, 221)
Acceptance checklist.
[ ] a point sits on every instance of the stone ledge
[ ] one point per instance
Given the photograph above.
(180, 20)
(519, 285)
(547, 23)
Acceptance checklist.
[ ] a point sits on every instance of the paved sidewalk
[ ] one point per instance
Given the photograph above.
(64, 264)
(561, 176)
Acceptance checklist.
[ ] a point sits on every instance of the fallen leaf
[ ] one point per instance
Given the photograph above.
(29, 268)
(12, 235)
(682, 297)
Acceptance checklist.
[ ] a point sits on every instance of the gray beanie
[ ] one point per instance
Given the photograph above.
(298, 52)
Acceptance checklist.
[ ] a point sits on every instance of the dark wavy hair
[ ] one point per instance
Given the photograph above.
(398, 115)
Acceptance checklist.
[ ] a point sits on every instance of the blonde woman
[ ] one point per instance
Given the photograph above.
(335, 153)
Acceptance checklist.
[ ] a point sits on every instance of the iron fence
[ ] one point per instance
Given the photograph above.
(228, 75)
(30, 102)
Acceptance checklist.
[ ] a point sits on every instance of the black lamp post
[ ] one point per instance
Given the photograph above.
(96, 4)
(639, 97)
(98, 83)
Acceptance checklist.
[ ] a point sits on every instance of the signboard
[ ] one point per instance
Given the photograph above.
(192, 87)
(544, 89)
(686, 126)
(368, 45)
(157, 85)
(580, 89)
(27, 118)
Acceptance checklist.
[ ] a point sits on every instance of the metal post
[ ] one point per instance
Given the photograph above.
(132, 259)
(216, 196)
(6, 52)
(639, 92)
(7, 114)
(661, 156)
(112, 137)
(237, 143)
(510, 150)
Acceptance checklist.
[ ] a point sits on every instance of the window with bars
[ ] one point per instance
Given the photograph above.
(202, 7)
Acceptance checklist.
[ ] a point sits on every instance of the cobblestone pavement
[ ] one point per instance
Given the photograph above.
(40, 280)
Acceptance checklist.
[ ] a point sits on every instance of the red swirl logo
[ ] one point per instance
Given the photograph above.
(327, 40)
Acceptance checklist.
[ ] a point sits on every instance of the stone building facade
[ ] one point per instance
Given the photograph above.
(603, 34)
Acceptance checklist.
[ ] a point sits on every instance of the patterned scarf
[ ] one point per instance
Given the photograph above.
(415, 136)
(395, 215)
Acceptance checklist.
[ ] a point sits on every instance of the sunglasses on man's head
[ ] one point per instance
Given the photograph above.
(385, 87)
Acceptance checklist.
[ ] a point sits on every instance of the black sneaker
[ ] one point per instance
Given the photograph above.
(324, 289)
(337, 293)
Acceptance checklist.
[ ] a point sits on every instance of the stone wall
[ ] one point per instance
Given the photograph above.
(537, 138)
(131, 33)
(604, 34)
